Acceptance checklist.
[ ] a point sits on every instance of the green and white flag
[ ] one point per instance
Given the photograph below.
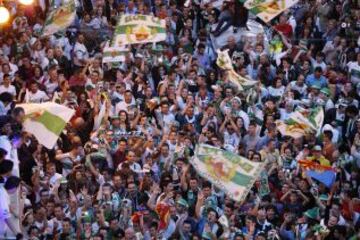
(266, 10)
(46, 121)
(59, 18)
(114, 54)
(224, 62)
(139, 29)
(233, 174)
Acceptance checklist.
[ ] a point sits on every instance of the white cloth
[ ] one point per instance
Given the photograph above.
(4, 210)
(10, 89)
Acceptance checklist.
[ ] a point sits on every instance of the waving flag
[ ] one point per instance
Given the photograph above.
(163, 211)
(228, 171)
(59, 18)
(46, 121)
(324, 174)
(139, 29)
(302, 122)
(224, 62)
(266, 10)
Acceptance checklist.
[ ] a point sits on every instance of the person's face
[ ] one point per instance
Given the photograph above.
(58, 212)
(122, 117)
(190, 111)
(164, 108)
(165, 151)
(34, 88)
(51, 170)
(94, 77)
(81, 37)
(332, 221)
(131, 188)
(261, 215)
(306, 65)
(131, 157)
(193, 184)
(66, 227)
(235, 104)
(186, 228)
(228, 93)
(270, 213)
(6, 81)
(122, 146)
(211, 217)
(128, 97)
(117, 181)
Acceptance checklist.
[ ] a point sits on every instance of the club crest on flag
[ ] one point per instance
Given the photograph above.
(219, 169)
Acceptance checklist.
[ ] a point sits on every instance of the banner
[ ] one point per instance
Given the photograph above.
(302, 122)
(224, 62)
(266, 10)
(59, 18)
(139, 29)
(46, 121)
(233, 174)
(114, 54)
(264, 184)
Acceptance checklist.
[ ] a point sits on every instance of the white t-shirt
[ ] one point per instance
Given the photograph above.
(232, 140)
(4, 210)
(38, 97)
(80, 52)
(354, 71)
(10, 89)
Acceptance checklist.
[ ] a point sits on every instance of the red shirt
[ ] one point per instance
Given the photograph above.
(286, 29)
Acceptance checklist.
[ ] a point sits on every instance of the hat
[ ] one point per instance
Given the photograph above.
(316, 86)
(312, 213)
(12, 182)
(182, 202)
(237, 99)
(325, 91)
(317, 148)
(6, 166)
(323, 197)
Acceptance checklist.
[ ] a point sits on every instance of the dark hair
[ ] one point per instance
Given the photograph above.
(328, 134)
(318, 69)
(6, 97)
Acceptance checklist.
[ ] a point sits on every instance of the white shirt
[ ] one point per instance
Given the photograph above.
(122, 106)
(354, 71)
(81, 51)
(4, 210)
(38, 97)
(10, 89)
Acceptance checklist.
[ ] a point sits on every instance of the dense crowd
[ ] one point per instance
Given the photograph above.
(114, 179)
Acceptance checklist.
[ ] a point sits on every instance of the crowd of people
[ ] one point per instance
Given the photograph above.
(130, 176)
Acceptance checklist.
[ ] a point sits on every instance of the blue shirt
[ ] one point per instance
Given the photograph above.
(311, 80)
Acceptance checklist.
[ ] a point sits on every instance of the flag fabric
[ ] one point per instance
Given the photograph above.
(233, 174)
(46, 121)
(139, 29)
(162, 209)
(326, 177)
(266, 10)
(224, 62)
(112, 53)
(264, 188)
(59, 18)
(321, 173)
(302, 122)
